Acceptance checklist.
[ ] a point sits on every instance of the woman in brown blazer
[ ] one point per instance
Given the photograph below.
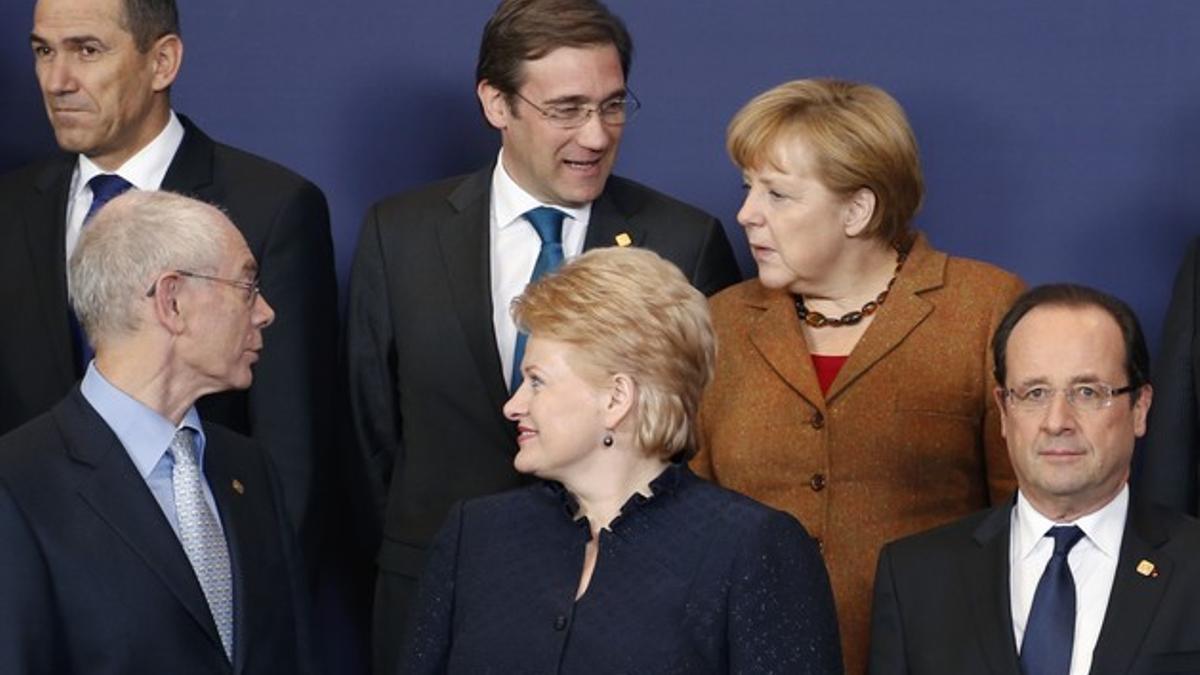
(852, 386)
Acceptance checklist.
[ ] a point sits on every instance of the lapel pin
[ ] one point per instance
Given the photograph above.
(623, 239)
(1147, 569)
(241, 490)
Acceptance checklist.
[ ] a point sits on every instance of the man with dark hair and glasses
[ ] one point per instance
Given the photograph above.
(432, 350)
(137, 538)
(1073, 576)
(105, 69)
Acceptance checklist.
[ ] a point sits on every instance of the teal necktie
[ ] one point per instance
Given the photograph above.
(548, 224)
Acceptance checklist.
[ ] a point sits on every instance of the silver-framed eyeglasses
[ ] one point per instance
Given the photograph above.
(250, 288)
(1082, 396)
(614, 112)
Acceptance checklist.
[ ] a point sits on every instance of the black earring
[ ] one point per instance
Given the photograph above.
(607, 440)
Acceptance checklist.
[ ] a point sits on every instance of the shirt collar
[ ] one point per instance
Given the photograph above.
(1104, 527)
(145, 434)
(510, 201)
(146, 169)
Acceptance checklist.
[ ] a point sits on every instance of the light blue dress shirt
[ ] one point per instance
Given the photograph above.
(146, 436)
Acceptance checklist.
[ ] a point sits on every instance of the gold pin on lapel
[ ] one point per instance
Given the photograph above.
(1147, 569)
(623, 239)
(241, 489)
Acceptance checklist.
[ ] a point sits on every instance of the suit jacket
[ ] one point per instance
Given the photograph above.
(286, 224)
(942, 599)
(1170, 461)
(95, 580)
(426, 380)
(906, 438)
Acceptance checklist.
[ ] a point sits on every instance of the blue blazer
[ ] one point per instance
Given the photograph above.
(696, 579)
(94, 580)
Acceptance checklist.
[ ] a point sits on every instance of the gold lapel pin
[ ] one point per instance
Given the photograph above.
(238, 487)
(623, 239)
(1147, 569)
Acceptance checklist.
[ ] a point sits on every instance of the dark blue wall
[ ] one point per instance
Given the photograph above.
(1059, 140)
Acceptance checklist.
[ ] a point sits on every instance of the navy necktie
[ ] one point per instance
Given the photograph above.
(105, 187)
(548, 223)
(1050, 631)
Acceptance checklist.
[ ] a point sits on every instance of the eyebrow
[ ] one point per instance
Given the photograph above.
(1084, 378)
(73, 41)
(576, 99)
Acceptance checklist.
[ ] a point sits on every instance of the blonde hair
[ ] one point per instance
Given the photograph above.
(629, 311)
(857, 132)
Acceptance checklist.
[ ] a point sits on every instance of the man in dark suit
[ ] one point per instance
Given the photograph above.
(431, 347)
(1072, 576)
(1170, 463)
(135, 538)
(105, 68)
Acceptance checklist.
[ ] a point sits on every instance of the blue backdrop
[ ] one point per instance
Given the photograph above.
(1059, 140)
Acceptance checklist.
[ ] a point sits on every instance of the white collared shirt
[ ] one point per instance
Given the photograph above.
(145, 171)
(1093, 563)
(514, 250)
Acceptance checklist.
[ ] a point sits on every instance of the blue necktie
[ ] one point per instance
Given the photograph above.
(548, 223)
(1050, 631)
(104, 187)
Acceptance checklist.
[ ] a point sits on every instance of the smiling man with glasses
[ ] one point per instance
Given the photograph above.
(1075, 575)
(432, 350)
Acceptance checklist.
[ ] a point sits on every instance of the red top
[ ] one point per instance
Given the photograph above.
(827, 369)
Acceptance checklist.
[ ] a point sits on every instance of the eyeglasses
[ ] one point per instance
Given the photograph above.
(1087, 396)
(249, 287)
(614, 112)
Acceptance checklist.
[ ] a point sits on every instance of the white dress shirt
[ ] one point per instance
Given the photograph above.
(145, 171)
(514, 250)
(1093, 563)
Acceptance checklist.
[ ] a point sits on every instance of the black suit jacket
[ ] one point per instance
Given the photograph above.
(426, 381)
(942, 599)
(285, 221)
(1171, 454)
(94, 580)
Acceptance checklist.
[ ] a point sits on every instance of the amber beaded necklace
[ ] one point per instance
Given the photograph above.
(819, 320)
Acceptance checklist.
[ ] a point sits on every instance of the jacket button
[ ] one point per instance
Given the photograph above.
(817, 482)
(560, 622)
(817, 421)
(820, 545)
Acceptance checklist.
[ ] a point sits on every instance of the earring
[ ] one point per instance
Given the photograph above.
(607, 440)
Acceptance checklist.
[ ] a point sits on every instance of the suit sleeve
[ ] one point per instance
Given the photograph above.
(717, 267)
(292, 398)
(1001, 480)
(781, 612)
(430, 632)
(28, 623)
(371, 366)
(887, 630)
(1168, 468)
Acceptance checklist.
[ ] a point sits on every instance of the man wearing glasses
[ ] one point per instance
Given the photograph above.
(1073, 576)
(136, 538)
(431, 347)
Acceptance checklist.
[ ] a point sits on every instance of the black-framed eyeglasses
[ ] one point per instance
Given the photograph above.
(1081, 396)
(249, 287)
(614, 112)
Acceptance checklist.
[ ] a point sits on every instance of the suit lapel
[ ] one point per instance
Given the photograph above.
(986, 575)
(464, 244)
(45, 235)
(113, 489)
(777, 336)
(191, 169)
(610, 219)
(1135, 596)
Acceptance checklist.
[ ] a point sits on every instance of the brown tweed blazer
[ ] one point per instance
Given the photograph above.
(907, 438)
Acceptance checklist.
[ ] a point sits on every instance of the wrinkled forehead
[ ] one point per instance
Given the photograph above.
(1066, 343)
(68, 19)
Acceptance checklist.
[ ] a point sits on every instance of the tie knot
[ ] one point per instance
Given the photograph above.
(105, 186)
(182, 447)
(548, 223)
(1065, 538)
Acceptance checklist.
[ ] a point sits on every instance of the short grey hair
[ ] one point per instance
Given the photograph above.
(127, 245)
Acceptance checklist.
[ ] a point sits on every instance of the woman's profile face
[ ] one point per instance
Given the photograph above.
(558, 411)
(794, 224)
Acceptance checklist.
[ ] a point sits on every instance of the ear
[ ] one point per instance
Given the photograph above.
(167, 54)
(1141, 410)
(622, 395)
(998, 394)
(859, 209)
(167, 304)
(494, 103)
